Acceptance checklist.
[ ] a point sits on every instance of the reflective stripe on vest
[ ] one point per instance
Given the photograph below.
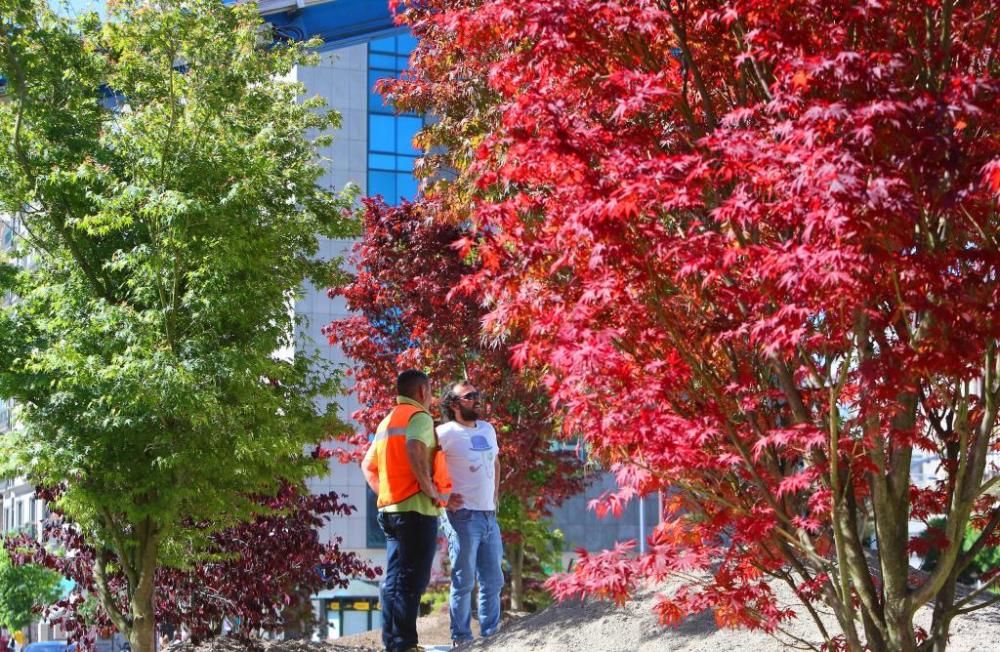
(396, 481)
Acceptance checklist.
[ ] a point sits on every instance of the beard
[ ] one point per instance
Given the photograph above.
(468, 413)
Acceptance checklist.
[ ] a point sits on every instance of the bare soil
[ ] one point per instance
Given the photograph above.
(432, 629)
(602, 627)
(599, 626)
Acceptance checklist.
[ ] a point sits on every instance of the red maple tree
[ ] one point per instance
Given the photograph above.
(753, 250)
(407, 313)
(260, 574)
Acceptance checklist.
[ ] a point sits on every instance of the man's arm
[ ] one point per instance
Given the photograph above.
(369, 467)
(420, 462)
(496, 471)
(496, 483)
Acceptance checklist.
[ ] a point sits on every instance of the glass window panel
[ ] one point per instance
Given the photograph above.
(391, 154)
(405, 43)
(375, 101)
(406, 128)
(381, 162)
(406, 187)
(381, 133)
(384, 61)
(387, 44)
(382, 183)
(405, 163)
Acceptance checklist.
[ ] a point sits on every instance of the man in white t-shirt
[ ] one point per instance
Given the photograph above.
(474, 544)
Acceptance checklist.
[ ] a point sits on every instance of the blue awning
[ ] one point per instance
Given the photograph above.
(337, 22)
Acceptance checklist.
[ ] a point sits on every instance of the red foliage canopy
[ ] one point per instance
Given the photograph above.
(408, 314)
(261, 571)
(753, 248)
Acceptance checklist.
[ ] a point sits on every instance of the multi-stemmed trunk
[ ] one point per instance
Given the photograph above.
(137, 620)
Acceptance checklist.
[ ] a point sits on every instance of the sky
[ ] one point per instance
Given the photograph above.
(77, 7)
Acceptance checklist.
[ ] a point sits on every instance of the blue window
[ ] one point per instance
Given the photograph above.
(406, 186)
(406, 129)
(376, 103)
(391, 154)
(385, 44)
(405, 163)
(382, 133)
(383, 183)
(381, 161)
(406, 42)
(384, 61)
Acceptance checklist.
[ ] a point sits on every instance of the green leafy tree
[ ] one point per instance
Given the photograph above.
(163, 171)
(22, 588)
(533, 551)
(982, 552)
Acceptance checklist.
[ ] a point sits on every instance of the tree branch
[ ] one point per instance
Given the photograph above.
(106, 597)
(706, 99)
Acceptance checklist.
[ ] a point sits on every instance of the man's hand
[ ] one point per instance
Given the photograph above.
(455, 501)
(420, 462)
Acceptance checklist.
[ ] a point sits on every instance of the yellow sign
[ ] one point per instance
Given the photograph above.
(359, 605)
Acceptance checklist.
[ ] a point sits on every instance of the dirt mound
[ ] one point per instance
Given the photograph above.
(591, 626)
(432, 629)
(602, 627)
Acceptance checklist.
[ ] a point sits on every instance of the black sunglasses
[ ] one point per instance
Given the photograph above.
(471, 396)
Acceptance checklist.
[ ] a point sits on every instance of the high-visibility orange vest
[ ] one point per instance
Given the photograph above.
(396, 480)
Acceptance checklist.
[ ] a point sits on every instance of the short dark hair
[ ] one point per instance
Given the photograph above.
(408, 382)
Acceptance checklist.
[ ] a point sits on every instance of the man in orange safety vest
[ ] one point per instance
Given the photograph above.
(400, 468)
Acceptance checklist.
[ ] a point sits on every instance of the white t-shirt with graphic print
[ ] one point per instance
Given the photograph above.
(471, 455)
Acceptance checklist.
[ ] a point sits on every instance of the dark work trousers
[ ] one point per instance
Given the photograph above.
(410, 544)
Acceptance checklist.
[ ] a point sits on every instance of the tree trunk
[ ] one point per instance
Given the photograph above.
(517, 576)
(142, 638)
(891, 507)
(142, 589)
(899, 627)
(938, 641)
(298, 618)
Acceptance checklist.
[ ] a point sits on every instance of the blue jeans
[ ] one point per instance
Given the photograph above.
(410, 544)
(475, 549)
